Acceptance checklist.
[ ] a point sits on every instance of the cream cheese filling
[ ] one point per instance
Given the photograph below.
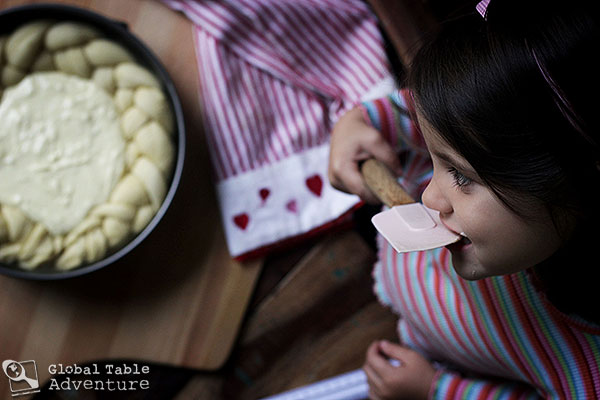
(61, 148)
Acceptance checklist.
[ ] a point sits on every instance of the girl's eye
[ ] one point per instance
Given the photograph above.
(459, 179)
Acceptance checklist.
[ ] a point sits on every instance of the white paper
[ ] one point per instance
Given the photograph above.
(349, 386)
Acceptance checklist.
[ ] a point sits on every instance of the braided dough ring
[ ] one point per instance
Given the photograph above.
(146, 126)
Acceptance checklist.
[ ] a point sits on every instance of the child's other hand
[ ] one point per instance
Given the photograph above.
(411, 380)
(352, 141)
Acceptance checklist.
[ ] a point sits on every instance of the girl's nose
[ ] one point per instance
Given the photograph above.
(434, 198)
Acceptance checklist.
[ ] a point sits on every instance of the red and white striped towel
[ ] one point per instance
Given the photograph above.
(275, 76)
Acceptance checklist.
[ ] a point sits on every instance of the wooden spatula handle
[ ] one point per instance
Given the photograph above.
(383, 183)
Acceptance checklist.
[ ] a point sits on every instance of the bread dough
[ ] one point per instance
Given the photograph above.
(63, 151)
(120, 156)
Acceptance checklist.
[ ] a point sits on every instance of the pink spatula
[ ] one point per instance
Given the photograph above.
(407, 225)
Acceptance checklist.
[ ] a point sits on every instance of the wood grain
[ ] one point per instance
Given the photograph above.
(178, 298)
(382, 182)
(315, 322)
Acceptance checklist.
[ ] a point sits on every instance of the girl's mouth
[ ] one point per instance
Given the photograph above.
(460, 245)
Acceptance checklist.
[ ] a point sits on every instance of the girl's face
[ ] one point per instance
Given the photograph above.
(496, 240)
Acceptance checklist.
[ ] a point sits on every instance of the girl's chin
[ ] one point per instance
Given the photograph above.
(464, 264)
(470, 273)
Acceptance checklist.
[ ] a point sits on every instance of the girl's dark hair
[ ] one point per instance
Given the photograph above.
(515, 93)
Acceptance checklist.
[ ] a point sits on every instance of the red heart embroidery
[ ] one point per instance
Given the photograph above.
(241, 220)
(315, 184)
(292, 206)
(264, 193)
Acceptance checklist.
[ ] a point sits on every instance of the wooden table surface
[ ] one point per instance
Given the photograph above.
(178, 298)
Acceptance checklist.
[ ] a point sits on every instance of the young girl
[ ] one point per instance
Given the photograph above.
(507, 107)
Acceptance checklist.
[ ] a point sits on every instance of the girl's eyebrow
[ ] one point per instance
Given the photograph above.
(453, 161)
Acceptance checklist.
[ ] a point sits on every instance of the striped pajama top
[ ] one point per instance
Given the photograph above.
(497, 337)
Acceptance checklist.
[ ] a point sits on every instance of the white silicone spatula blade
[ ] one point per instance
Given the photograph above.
(413, 227)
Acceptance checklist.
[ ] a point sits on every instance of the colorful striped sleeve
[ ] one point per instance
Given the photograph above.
(449, 385)
(391, 116)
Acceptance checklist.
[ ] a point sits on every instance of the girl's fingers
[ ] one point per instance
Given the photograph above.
(377, 360)
(381, 150)
(349, 179)
(395, 351)
(353, 141)
(373, 378)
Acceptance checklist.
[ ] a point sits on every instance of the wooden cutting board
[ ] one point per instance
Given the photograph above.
(178, 298)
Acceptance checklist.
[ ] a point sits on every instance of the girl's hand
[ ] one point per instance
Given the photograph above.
(352, 141)
(411, 380)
